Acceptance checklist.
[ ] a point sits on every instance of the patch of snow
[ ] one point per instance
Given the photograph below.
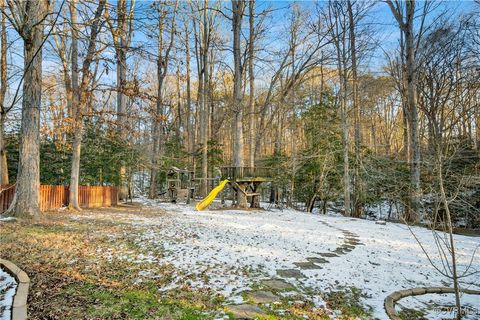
(442, 306)
(235, 300)
(8, 286)
(168, 287)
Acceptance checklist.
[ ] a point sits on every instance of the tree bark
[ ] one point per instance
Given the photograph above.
(205, 99)
(358, 184)
(405, 22)
(122, 101)
(3, 152)
(238, 7)
(251, 51)
(3, 90)
(190, 132)
(81, 98)
(26, 202)
(158, 121)
(477, 125)
(338, 37)
(121, 39)
(412, 105)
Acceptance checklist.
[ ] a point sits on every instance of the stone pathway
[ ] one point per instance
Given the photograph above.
(268, 292)
(349, 242)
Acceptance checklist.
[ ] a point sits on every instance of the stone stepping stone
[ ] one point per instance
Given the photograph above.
(245, 311)
(345, 250)
(350, 235)
(307, 265)
(290, 273)
(341, 251)
(352, 238)
(354, 242)
(347, 247)
(262, 297)
(328, 254)
(317, 260)
(277, 284)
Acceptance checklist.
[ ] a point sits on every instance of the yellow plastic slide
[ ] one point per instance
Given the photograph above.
(211, 196)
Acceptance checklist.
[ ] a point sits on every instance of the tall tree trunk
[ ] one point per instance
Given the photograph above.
(406, 132)
(180, 127)
(3, 152)
(477, 123)
(81, 97)
(251, 51)
(345, 144)
(158, 117)
(238, 7)
(345, 132)
(26, 202)
(205, 100)
(405, 22)
(202, 47)
(412, 106)
(3, 90)
(121, 99)
(199, 114)
(77, 134)
(121, 107)
(122, 35)
(358, 184)
(338, 36)
(162, 68)
(191, 133)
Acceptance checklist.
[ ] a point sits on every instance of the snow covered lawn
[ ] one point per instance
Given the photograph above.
(230, 251)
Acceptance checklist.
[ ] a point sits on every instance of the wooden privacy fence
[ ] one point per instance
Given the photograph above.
(55, 197)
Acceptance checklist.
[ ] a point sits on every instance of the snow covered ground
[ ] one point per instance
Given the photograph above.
(441, 306)
(230, 250)
(8, 286)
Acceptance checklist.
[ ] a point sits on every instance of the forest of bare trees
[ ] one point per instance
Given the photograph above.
(368, 110)
(352, 112)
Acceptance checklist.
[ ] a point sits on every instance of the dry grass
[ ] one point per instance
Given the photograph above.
(73, 277)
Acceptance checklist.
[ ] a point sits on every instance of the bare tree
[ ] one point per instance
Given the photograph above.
(27, 17)
(405, 21)
(238, 8)
(81, 95)
(339, 27)
(189, 126)
(122, 36)
(251, 77)
(358, 184)
(3, 90)
(308, 44)
(164, 47)
(203, 24)
(440, 82)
